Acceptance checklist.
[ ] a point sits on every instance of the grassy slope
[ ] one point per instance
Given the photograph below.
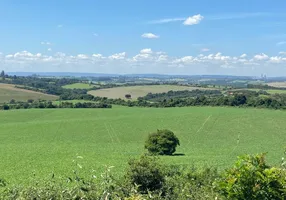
(46, 141)
(137, 91)
(78, 86)
(8, 92)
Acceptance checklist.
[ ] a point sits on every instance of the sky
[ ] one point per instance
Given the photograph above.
(188, 37)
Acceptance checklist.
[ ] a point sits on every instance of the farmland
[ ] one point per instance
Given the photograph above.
(8, 92)
(47, 141)
(278, 84)
(137, 91)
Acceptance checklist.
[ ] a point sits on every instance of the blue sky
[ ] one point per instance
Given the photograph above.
(246, 37)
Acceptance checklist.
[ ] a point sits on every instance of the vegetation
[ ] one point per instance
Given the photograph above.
(252, 178)
(146, 178)
(49, 104)
(162, 142)
(46, 141)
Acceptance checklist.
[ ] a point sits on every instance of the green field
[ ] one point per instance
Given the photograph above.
(79, 86)
(138, 91)
(8, 92)
(47, 141)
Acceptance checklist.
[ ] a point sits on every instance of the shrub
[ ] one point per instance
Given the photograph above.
(162, 142)
(251, 178)
(146, 173)
(6, 107)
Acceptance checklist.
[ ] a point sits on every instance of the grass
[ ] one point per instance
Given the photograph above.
(271, 91)
(47, 141)
(137, 91)
(8, 92)
(79, 86)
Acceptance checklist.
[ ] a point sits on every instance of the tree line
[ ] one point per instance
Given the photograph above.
(49, 104)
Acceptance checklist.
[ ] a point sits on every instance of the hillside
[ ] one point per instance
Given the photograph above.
(8, 92)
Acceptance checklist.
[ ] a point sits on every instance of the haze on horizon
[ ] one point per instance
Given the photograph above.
(148, 37)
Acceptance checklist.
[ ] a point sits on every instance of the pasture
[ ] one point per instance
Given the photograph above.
(8, 92)
(137, 91)
(43, 142)
(79, 86)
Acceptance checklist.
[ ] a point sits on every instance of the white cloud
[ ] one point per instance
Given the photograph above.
(146, 51)
(196, 19)
(46, 43)
(150, 36)
(118, 56)
(205, 50)
(97, 55)
(82, 56)
(164, 21)
(243, 55)
(49, 49)
(146, 61)
(282, 53)
(281, 43)
(261, 57)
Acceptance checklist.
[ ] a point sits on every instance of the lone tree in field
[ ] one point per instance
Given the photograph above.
(128, 96)
(162, 142)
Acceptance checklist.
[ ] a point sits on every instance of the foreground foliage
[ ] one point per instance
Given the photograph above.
(252, 178)
(146, 178)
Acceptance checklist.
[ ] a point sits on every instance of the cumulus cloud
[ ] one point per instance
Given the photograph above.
(49, 49)
(118, 56)
(261, 56)
(150, 35)
(196, 19)
(146, 51)
(146, 61)
(282, 53)
(243, 55)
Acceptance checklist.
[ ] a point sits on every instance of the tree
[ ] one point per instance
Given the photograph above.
(2, 75)
(162, 142)
(127, 96)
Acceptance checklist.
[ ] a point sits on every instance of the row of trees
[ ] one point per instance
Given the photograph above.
(48, 104)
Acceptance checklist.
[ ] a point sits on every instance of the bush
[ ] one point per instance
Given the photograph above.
(6, 107)
(145, 173)
(162, 142)
(251, 178)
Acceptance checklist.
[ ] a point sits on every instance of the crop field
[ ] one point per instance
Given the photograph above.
(78, 86)
(138, 91)
(43, 142)
(8, 92)
(278, 84)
